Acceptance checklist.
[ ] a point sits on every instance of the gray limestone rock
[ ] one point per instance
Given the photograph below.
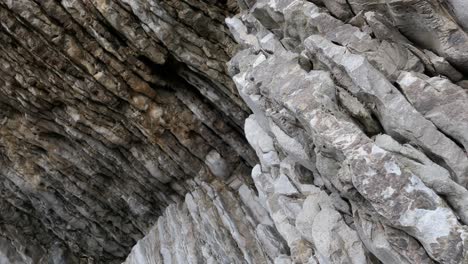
(233, 131)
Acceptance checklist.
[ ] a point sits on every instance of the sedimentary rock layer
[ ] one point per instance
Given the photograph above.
(359, 126)
(268, 131)
(107, 108)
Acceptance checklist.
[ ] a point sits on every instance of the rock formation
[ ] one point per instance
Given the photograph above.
(203, 131)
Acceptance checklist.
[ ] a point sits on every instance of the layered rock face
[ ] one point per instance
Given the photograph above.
(107, 108)
(269, 131)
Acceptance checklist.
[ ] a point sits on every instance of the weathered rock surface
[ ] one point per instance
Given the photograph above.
(213, 225)
(268, 131)
(107, 108)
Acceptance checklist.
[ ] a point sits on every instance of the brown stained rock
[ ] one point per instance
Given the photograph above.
(123, 121)
(105, 118)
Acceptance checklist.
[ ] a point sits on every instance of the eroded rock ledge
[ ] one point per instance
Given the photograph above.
(122, 118)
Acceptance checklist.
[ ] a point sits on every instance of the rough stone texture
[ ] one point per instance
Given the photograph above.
(107, 108)
(267, 131)
(214, 225)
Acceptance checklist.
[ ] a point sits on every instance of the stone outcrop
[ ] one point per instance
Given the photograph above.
(107, 108)
(268, 131)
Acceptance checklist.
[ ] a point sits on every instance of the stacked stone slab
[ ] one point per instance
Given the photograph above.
(359, 126)
(249, 131)
(107, 109)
